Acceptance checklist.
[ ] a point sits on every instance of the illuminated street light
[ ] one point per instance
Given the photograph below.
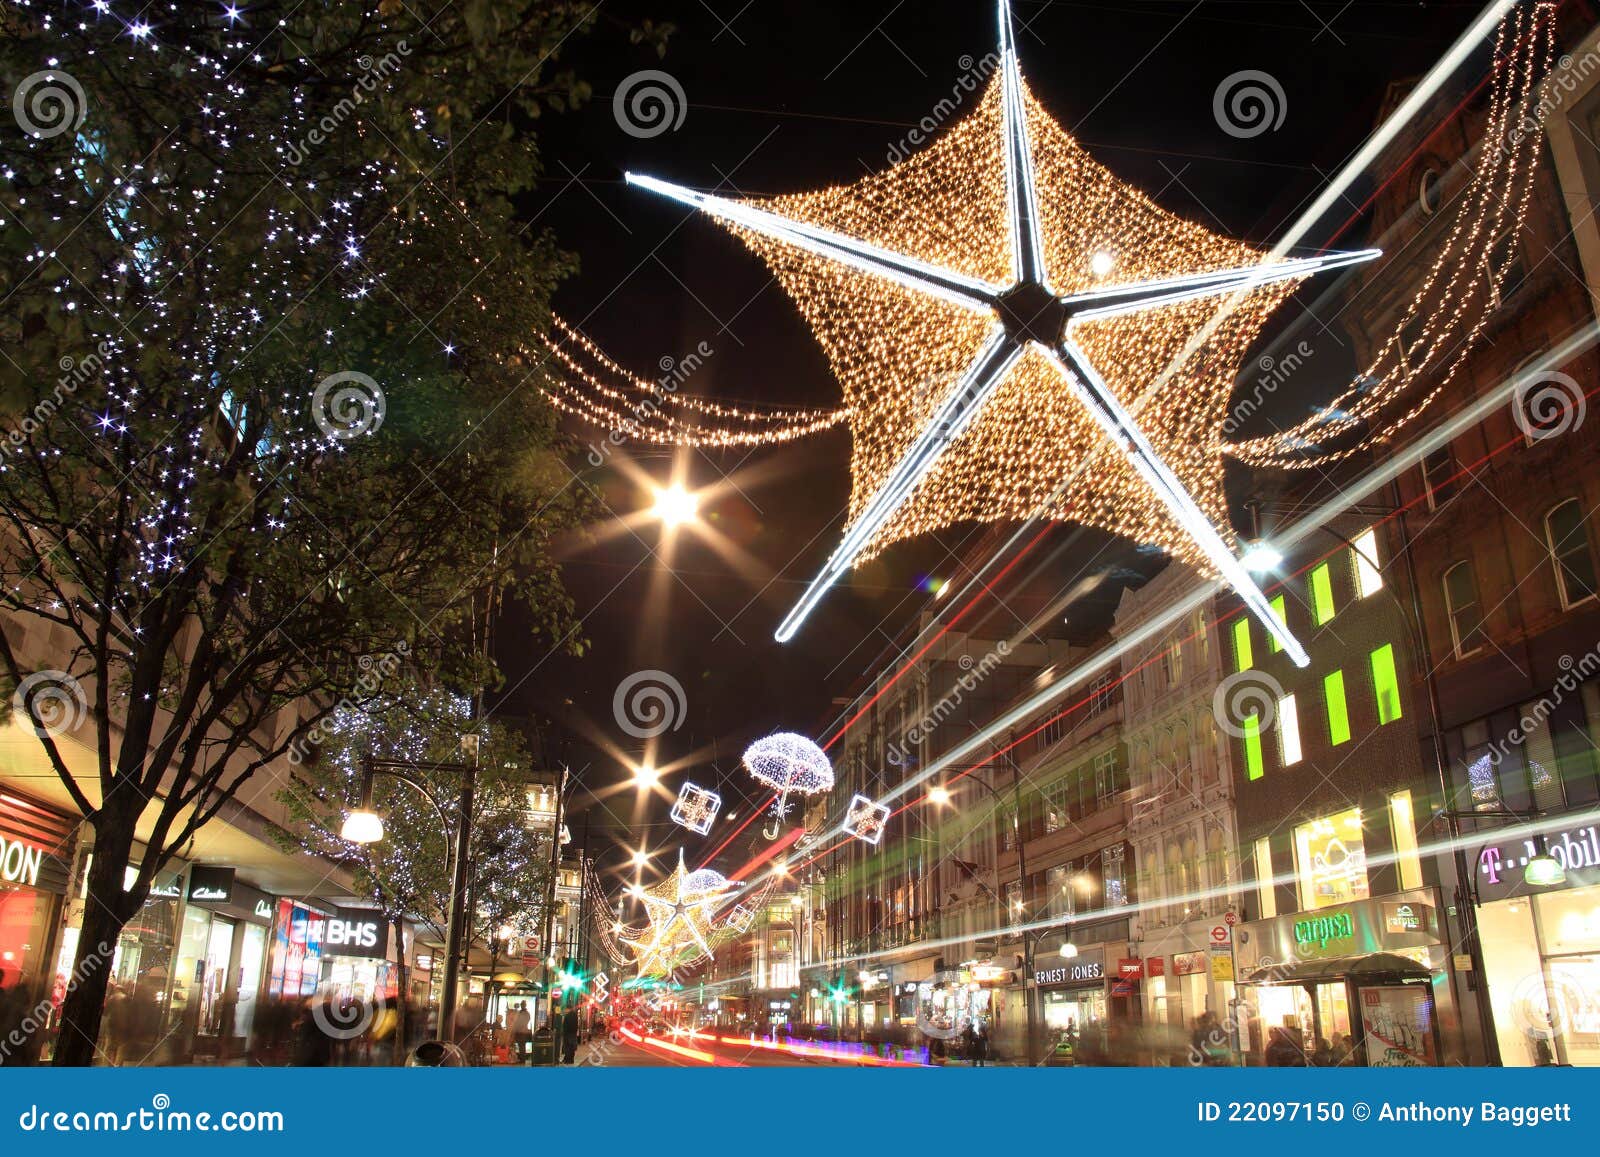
(645, 776)
(1261, 557)
(640, 858)
(675, 505)
(939, 796)
(362, 826)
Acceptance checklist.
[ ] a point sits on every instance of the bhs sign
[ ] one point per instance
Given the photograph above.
(357, 932)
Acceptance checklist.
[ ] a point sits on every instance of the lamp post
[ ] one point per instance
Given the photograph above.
(941, 795)
(365, 826)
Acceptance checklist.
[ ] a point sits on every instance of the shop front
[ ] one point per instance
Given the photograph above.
(1541, 946)
(357, 962)
(1184, 977)
(1364, 982)
(35, 867)
(1072, 1000)
(222, 956)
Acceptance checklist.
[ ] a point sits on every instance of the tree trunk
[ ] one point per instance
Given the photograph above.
(104, 915)
(402, 1004)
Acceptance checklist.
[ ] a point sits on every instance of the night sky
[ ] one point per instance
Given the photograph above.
(784, 97)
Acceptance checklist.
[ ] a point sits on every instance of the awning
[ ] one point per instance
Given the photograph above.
(1375, 966)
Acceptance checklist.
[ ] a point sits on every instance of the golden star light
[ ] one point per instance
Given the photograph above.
(680, 910)
(985, 351)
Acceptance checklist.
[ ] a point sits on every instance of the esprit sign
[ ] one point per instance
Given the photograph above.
(1318, 930)
(20, 862)
(354, 932)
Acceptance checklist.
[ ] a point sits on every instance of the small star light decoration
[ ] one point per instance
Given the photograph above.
(696, 808)
(866, 819)
(680, 911)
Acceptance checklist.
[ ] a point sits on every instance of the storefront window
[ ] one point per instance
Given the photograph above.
(1331, 860)
(1403, 823)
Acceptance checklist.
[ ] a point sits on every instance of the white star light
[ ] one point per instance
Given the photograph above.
(1026, 312)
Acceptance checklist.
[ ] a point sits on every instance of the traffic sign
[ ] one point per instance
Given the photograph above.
(1221, 934)
(1231, 918)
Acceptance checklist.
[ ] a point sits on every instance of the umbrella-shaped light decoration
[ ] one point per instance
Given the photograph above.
(787, 762)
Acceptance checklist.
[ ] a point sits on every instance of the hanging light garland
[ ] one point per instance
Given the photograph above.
(1440, 326)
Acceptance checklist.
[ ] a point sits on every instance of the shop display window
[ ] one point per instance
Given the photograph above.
(1331, 860)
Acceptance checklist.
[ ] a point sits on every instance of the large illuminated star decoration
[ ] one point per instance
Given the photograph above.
(989, 339)
(680, 911)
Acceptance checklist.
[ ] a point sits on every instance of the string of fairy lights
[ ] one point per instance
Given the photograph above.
(1440, 325)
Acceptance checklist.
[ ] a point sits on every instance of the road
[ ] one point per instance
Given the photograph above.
(635, 1050)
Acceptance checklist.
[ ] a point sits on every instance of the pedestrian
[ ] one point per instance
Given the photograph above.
(1322, 1055)
(114, 1028)
(313, 1047)
(1282, 1052)
(569, 1035)
(521, 1025)
(977, 1044)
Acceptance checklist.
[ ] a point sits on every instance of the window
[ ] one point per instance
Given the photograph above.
(1439, 476)
(1321, 588)
(1106, 783)
(1101, 692)
(1288, 731)
(1060, 900)
(1243, 657)
(1403, 821)
(1280, 611)
(1111, 870)
(1386, 684)
(1568, 541)
(1461, 605)
(1331, 860)
(1266, 892)
(1014, 905)
(1008, 828)
(1430, 192)
(1369, 579)
(1338, 709)
(1055, 730)
(1057, 799)
(1250, 735)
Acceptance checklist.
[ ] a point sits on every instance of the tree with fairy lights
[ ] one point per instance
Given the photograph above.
(407, 873)
(264, 424)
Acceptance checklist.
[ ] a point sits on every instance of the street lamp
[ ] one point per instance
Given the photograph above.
(674, 505)
(365, 826)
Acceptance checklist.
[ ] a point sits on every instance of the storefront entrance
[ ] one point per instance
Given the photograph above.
(33, 879)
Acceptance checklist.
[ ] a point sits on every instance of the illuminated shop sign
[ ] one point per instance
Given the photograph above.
(1079, 970)
(1318, 930)
(357, 932)
(211, 884)
(1500, 866)
(20, 862)
(1402, 918)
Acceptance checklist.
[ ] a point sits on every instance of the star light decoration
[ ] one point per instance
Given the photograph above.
(696, 808)
(986, 349)
(680, 910)
(787, 762)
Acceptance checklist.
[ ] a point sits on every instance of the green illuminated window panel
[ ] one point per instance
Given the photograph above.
(1242, 654)
(1386, 684)
(1322, 594)
(1281, 613)
(1338, 709)
(1251, 728)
